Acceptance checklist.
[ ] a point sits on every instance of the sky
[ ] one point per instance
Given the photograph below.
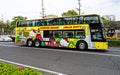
(32, 8)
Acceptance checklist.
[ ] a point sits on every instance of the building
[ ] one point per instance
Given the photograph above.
(51, 16)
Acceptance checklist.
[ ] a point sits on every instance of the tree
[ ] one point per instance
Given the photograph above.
(15, 19)
(1, 24)
(69, 13)
(110, 24)
(7, 27)
(1, 27)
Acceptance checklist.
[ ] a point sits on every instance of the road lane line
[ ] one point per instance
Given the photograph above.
(40, 69)
(9, 45)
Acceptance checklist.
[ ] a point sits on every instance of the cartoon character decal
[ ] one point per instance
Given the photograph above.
(64, 43)
(53, 42)
(32, 33)
(38, 35)
(60, 42)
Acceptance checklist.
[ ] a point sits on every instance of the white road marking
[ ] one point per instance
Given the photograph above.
(68, 51)
(9, 45)
(40, 69)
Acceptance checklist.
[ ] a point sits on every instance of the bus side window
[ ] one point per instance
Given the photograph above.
(80, 34)
(68, 20)
(80, 20)
(57, 34)
(31, 23)
(61, 21)
(68, 34)
(55, 21)
(47, 34)
(49, 22)
(75, 20)
(23, 24)
(44, 22)
(38, 23)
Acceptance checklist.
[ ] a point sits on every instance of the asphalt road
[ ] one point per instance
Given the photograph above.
(64, 61)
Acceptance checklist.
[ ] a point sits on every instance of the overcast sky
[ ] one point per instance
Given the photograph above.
(32, 8)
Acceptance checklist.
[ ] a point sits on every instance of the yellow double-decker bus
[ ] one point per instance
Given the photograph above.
(81, 32)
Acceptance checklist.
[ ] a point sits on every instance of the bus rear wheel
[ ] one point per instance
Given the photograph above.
(29, 43)
(37, 43)
(82, 45)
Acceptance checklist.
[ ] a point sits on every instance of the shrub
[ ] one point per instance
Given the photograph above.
(114, 43)
(9, 69)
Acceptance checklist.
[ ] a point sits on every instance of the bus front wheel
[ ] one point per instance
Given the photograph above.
(82, 45)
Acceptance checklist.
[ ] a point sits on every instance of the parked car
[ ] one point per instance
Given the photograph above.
(5, 38)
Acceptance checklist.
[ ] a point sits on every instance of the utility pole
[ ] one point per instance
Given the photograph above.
(43, 15)
(79, 4)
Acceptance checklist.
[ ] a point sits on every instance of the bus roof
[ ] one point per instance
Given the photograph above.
(64, 17)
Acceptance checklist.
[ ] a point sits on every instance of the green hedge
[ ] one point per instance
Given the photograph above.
(9, 69)
(114, 43)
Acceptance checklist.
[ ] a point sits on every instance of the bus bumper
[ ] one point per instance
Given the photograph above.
(101, 45)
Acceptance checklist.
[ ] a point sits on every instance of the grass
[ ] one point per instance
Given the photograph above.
(10, 69)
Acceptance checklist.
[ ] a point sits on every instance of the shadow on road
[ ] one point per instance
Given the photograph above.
(70, 49)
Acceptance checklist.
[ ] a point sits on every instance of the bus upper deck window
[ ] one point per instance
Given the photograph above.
(38, 23)
(68, 20)
(44, 22)
(23, 24)
(32, 23)
(55, 21)
(75, 20)
(80, 20)
(61, 21)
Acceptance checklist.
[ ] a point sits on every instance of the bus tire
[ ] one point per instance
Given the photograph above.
(37, 43)
(29, 42)
(82, 45)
